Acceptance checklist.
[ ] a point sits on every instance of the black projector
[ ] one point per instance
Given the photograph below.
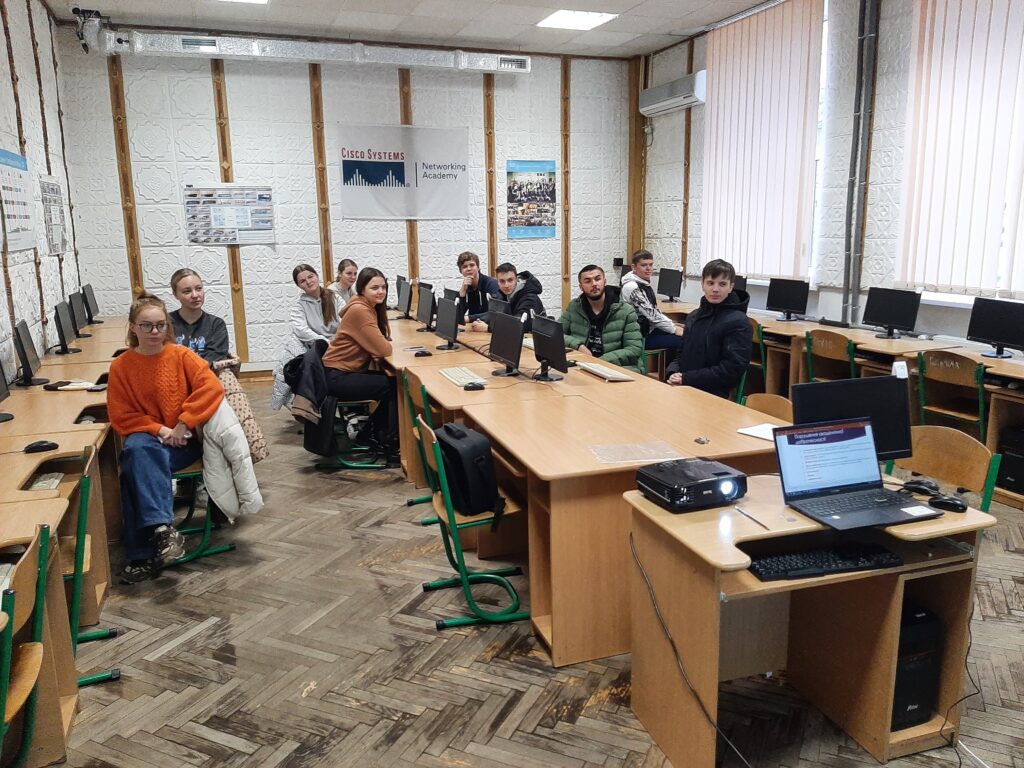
(683, 485)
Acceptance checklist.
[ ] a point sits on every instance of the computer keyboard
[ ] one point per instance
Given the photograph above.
(528, 342)
(819, 562)
(460, 377)
(46, 481)
(604, 372)
(846, 503)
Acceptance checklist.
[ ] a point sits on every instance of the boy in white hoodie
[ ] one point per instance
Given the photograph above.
(659, 331)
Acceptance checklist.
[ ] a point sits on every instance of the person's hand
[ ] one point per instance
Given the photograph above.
(176, 437)
(467, 283)
(479, 326)
(676, 379)
(584, 350)
(680, 329)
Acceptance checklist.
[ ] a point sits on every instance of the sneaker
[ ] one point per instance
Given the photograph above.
(133, 573)
(170, 544)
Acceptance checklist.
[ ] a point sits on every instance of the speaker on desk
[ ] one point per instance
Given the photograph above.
(918, 667)
(1011, 469)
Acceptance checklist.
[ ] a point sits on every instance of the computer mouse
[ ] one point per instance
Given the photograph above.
(571, 363)
(922, 486)
(948, 503)
(424, 353)
(41, 445)
(98, 388)
(473, 386)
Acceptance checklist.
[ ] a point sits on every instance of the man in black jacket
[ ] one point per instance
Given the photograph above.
(522, 292)
(718, 338)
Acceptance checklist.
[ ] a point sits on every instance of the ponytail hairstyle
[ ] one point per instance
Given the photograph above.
(328, 307)
(345, 263)
(180, 275)
(366, 274)
(145, 300)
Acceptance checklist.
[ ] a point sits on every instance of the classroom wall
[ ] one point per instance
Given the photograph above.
(21, 281)
(173, 142)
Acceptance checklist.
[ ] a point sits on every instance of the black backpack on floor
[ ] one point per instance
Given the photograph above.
(469, 467)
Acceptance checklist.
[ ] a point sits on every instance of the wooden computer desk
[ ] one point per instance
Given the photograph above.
(57, 698)
(837, 636)
(67, 371)
(578, 523)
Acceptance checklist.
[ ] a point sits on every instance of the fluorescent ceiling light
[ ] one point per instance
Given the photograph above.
(253, 2)
(582, 20)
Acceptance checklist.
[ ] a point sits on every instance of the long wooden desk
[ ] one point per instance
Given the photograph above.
(837, 636)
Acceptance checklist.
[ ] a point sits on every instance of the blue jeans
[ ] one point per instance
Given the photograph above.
(661, 340)
(146, 497)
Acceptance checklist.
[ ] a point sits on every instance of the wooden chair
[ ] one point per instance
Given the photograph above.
(758, 361)
(418, 403)
(21, 662)
(952, 386)
(655, 363)
(953, 457)
(774, 405)
(827, 351)
(194, 473)
(450, 523)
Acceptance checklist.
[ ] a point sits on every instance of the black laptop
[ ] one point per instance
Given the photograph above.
(830, 473)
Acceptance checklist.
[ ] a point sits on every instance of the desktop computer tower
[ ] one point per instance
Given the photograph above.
(917, 668)
(1011, 469)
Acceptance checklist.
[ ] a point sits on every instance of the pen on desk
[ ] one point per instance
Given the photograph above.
(749, 517)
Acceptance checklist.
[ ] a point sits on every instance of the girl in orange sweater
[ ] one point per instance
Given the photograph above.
(362, 336)
(158, 395)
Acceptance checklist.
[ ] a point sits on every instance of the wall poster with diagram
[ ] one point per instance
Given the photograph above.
(531, 198)
(17, 202)
(229, 214)
(52, 192)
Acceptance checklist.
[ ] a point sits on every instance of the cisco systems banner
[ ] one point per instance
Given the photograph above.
(403, 172)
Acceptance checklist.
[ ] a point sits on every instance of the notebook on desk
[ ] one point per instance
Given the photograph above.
(830, 473)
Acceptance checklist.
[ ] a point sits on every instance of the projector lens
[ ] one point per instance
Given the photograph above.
(727, 488)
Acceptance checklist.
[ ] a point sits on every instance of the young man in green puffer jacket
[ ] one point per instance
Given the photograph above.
(598, 324)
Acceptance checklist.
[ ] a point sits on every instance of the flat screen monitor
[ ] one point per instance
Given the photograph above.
(79, 315)
(498, 306)
(670, 283)
(399, 279)
(506, 343)
(883, 399)
(4, 392)
(999, 323)
(788, 297)
(91, 305)
(425, 309)
(447, 324)
(548, 348)
(451, 294)
(739, 283)
(25, 348)
(624, 270)
(405, 299)
(892, 309)
(65, 329)
(425, 286)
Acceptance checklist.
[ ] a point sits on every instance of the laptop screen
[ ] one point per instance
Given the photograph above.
(826, 458)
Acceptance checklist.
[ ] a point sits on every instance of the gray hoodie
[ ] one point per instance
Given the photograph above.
(307, 319)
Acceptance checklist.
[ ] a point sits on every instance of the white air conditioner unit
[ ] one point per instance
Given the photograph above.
(685, 92)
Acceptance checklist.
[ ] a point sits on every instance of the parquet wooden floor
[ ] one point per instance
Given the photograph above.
(313, 645)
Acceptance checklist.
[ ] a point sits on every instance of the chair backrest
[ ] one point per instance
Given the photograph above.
(951, 456)
(773, 405)
(25, 578)
(429, 443)
(829, 344)
(949, 367)
(758, 332)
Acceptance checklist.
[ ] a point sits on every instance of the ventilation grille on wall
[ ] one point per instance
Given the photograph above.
(514, 63)
(199, 45)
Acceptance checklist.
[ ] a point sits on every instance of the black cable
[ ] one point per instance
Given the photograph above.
(954, 743)
(675, 651)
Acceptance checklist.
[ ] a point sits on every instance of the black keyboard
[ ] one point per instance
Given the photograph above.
(847, 503)
(819, 562)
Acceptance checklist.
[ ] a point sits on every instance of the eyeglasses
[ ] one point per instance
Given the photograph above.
(150, 327)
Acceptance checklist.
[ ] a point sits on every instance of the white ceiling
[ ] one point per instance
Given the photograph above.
(643, 26)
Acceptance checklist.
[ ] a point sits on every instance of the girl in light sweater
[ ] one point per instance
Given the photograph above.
(158, 395)
(364, 335)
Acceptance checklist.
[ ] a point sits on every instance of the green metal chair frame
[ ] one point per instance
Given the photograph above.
(851, 349)
(466, 578)
(348, 461)
(206, 529)
(979, 379)
(7, 604)
(428, 473)
(741, 389)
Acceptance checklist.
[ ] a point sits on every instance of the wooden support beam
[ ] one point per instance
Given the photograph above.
(119, 111)
(412, 231)
(323, 202)
(64, 154)
(687, 127)
(566, 177)
(637, 171)
(492, 191)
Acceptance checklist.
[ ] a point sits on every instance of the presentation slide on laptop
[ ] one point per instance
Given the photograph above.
(827, 457)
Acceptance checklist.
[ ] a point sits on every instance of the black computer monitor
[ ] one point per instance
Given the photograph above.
(506, 343)
(999, 323)
(883, 399)
(739, 283)
(91, 305)
(670, 283)
(447, 324)
(451, 294)
(624, 270)
(425, 308)
(4, 393)
(548, 348)
(79, 315)
(498, 306)
(25, 348)
(788, 297)
(399, 279)
(425, 286)
(65, 329)
(892, 309)
(404, 300)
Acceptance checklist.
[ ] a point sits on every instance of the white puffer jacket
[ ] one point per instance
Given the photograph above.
(227, 465)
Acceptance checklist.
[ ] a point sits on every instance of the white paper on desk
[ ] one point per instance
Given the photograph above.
(762, 431)
(622, 453)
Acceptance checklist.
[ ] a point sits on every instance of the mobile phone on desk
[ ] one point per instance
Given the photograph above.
(412, 349)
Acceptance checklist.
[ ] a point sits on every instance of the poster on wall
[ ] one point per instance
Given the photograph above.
(229, 214)
(53, 214)
(531, 198)
(403, 172)
(17, 202)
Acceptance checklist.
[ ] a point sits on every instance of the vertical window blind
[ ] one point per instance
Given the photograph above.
(963, 210)
(760, 129)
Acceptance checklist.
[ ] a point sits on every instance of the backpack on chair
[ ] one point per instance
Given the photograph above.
(469, 467)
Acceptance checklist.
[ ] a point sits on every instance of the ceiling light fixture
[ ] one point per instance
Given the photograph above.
(581, 20)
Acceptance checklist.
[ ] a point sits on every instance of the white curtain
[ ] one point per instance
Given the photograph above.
(962, 226)
(760, 129)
